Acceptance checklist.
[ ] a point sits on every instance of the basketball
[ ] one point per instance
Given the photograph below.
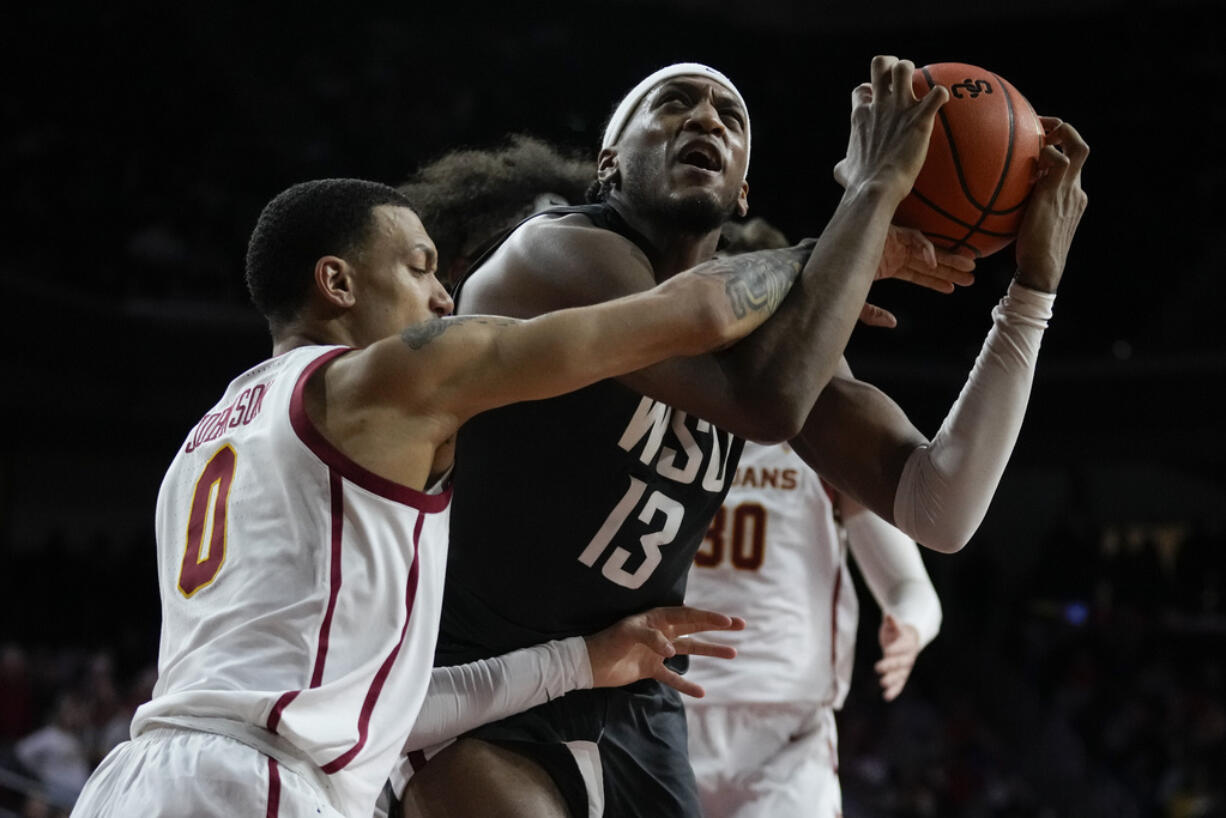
(971, 192)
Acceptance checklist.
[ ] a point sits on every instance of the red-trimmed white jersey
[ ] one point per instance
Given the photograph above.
(300, 592)
(774, 556)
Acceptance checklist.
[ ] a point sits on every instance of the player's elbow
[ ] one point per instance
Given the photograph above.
(783, 427)
(944, 545)
(945, 534)
(769, 420)
(935, 504)
(779, 406)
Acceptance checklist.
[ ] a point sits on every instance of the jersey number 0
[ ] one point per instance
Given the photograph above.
(202, 558)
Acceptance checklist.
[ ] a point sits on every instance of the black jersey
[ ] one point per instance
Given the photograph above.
(573, 512)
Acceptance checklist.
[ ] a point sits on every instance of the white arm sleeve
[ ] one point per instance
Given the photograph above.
(466, 696)
(894, 571)
(946, 485)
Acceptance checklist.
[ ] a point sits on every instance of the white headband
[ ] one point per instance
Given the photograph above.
(626, 107)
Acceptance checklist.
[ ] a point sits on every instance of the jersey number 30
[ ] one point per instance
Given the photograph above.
(748, 538)
(206, 523)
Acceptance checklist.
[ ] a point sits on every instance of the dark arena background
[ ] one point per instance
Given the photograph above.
(1079, 671)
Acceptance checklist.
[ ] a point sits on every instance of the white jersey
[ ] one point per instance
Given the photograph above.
(300, 592)
(774, 555)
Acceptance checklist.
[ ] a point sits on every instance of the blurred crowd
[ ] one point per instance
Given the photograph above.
(78, 646)
(1100, 719)
(1098, 691)
(61, 711)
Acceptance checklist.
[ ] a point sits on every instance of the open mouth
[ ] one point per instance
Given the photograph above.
(703, 157)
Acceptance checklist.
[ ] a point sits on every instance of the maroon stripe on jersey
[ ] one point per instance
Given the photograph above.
(274, 789)
(336, 484)
(274, 718)
(417, 760)
(338, 529)
(335, 459)
(376, 685)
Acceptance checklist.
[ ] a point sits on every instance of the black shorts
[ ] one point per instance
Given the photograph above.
(640, 733)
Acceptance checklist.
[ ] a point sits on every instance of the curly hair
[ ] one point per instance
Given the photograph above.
(468, 196)
(301, 225)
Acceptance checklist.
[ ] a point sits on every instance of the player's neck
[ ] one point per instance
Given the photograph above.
(675, 250)
(304, 333)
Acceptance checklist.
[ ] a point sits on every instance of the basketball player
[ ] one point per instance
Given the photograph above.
(301, 527)
(467, 199)
(605, 495)
(763, 740)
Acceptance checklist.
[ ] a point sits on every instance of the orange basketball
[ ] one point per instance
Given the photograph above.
(985, 143)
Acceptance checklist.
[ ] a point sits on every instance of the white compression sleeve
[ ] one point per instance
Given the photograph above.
(894, 571)
(466, 696)
(946, 485)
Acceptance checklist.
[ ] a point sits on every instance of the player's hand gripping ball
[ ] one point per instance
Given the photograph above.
(971, 192)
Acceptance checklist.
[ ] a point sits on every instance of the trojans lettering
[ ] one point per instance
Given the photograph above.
(242, 411)
(756, 477)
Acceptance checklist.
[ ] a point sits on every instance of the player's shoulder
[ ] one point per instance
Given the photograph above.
(397, 385)
(571, 244)
(568, 232)
(553, 261)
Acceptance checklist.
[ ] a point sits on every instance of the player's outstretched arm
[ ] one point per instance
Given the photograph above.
(463, 697)
(460, 366)
(556, 262)
(938, 491)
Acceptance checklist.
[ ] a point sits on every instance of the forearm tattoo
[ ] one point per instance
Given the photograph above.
(760, 280)
(419, 335)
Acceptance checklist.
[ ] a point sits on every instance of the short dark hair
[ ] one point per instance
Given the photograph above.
(301, 225)
(468, 196)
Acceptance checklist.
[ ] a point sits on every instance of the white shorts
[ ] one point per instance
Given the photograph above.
(172, 772)
(770, 759)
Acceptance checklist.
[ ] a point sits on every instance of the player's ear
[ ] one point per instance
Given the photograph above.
(607, 167)
(742, 200)
(334, 281)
